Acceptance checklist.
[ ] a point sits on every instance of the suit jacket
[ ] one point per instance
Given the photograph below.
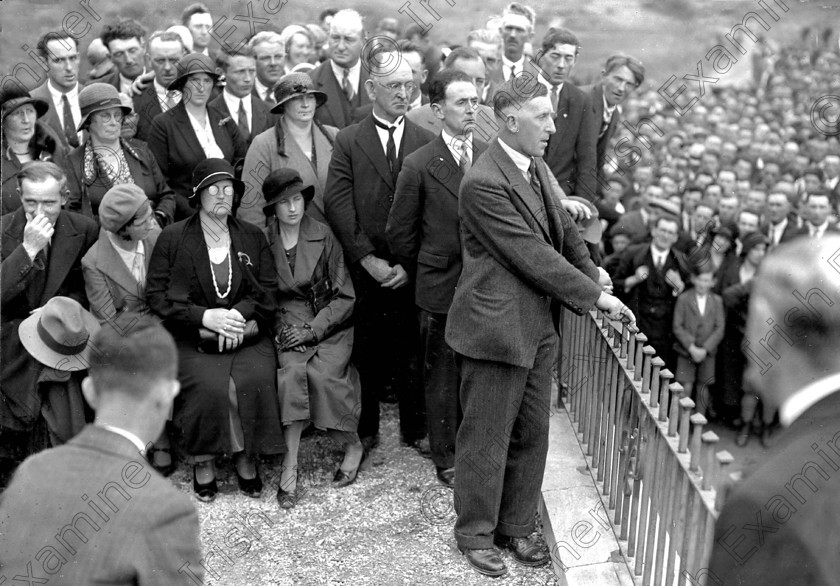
(146, 106)
(85, 197)
(131, 527)
(596, 104)
(338, 111)
(261, 117)
(51, 117)
(571, 153)
(177, 150)
(110, 286)
(790, 232)
(28, 285)
(360, 187)
(704, 331)
(486, 125)
(522, 257)
(112, 78)
(779, 525)
(423, 229)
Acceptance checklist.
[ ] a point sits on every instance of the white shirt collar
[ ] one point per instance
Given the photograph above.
(399, 127)
(522, 162)
(454, 144)
(138, 443)
(72, 95)
(608, 110)
(261, 89)
(125, 83)
(507, 63)
(233, 106)
(353, 76)
(800, 401)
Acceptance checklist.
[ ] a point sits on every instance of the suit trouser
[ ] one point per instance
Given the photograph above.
(385, 352)
(501, 446)
(440, 382)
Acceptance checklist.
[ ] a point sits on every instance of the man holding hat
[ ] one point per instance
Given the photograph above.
(40, 258)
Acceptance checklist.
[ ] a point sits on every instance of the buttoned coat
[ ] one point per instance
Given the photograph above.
(110, 286)
(275, 149)
(261, 117)
(338, 111)
(690, 327)
(523, 257)
(86, 195)
(28, 285)
(423, 229)
(177, 150)
(94, 511)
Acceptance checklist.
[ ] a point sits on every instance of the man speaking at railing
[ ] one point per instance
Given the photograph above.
(522, 258)
(781, 525)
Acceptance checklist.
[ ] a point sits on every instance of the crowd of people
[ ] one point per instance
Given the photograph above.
(289, 211)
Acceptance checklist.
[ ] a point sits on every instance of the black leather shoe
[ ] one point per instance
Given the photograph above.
(528, 551)
(446, 476)
(421, 445)
(251, 487)
(342, 478)
(206, 493)
(485, 561)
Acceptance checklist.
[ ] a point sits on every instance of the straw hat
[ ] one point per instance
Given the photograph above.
(293, 85)
(97, 97)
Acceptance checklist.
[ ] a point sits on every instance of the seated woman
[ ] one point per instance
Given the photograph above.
(316, 381)
(297, 141)
(211, 279)
(105, 159)
(184, 135)
(23, 138)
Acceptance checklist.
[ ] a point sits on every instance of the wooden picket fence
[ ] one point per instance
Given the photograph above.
(657, 468)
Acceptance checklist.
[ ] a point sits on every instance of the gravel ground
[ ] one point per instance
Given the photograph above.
(392, 527)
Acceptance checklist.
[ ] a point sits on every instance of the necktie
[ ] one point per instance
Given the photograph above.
(243, 121)
(464, 161)
(69, 124)
(554, 98)
(170, 102)
(348, 87)
(535, 181)
(660, 262)
(390, 147)
(605, 123)
(513, 70)
(269, 97)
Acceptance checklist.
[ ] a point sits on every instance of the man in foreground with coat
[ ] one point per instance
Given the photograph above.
(522, 258)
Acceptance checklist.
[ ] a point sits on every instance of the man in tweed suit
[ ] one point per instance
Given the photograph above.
(522, 258)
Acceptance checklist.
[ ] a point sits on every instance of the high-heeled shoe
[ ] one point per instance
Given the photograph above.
(251, 487)
(206, 493)
(288, 499)
(342, 478)
(164, 469)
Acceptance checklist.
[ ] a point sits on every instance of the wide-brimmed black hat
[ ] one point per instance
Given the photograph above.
(282, 183)
(190, 64)
(210, 171)
(293, 85)
(97, 97)
(13, 96)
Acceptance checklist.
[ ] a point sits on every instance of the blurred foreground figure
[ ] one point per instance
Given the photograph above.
(780, 525)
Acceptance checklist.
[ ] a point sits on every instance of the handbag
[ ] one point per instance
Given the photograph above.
(320, 294)
(208, 340)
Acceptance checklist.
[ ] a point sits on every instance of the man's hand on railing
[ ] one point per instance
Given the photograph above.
(614, 309)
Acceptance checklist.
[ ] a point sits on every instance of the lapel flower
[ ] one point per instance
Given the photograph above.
(224, 121)
(244, 258)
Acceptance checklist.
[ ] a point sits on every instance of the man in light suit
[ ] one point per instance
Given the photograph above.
(779, 525)
(343, 76)
(366, 161)
(522, 258)
(61, 90)
(423, 234)
(93, 510)
(163, 51)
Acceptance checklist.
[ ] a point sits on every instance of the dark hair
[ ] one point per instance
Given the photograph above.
(224, 56)
(53, 36)
(408, 46)
(634, 65)
(130, 359)
(667, 218)
(197, 8)
(466, 53)
(517, 91)
(441, 81)
(122, 30)
(325, 13)
(559, 36)
(813, 170)
(40, 171)
(414, 30)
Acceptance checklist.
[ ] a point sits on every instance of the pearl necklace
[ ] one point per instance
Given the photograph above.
(216, 255)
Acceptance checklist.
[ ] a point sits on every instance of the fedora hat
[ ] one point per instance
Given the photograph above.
(293, 85)
(210, 171)
(97, 97)
(59, 334)
(190, 64)
(282, 183)
(591, 229)
(13, 96)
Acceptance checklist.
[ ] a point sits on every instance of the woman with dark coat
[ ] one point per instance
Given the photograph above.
(316, 381)
(211, 279)
(185, 135)
(23, 138)
(105, 159)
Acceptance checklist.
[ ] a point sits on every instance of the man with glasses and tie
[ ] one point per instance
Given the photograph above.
(163, 51)
(342, 77)
(366, 161)
(61, 90)
(270, 53)
(423, 235)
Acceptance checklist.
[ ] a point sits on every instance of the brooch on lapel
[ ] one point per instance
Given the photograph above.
(244, 258)
(224, 121)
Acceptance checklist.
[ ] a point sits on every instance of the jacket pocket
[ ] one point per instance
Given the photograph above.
(434, 260)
